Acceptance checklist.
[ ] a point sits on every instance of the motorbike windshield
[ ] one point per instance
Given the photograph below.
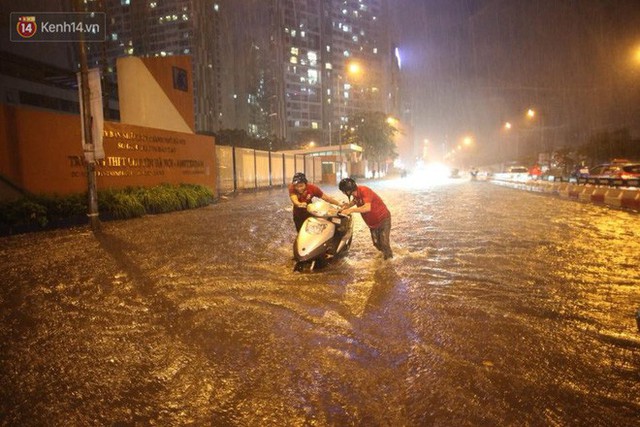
(322, 209)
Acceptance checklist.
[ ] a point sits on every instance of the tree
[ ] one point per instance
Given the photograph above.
(605, 146)
(374, 133)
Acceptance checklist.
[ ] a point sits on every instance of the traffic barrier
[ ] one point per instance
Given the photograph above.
(563, 190)
(613, 197)
(630, 199)
(573, 191)
(585, 194)
(625, 198)
(598, 195)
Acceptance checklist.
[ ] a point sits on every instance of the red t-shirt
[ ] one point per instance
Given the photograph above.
(309, 193)
(378, 211)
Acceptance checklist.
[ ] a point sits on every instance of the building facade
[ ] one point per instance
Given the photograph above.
(313, 44)
(149, 28)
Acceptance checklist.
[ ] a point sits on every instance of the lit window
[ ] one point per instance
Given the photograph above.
(125, 2)
(185, 18)
(293, 33)
(328, 48)
(346, 53)
(314, 125)
(114, 36)
(302, 34)
(296, 123)
(312, 56)
(294, 51)
(216, 7)
(328, 66)
(312, 76)
(153, 5)
(354, 38)
(375, 50)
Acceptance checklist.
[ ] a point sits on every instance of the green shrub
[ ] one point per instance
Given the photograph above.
(63, 207)
(25, 211)
(120, 204)
(126, 203)
(160, 199)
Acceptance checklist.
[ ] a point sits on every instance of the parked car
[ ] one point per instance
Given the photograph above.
(615, 171)
(628, 171)
(606, 170)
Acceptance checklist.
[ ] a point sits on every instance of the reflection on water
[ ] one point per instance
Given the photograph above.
(500, 307)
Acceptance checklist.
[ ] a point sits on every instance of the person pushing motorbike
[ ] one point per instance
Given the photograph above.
(301, 192)
(373, 210)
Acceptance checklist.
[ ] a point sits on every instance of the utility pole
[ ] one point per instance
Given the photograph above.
(94, 220)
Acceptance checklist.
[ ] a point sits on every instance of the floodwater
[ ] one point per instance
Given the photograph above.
(500, 307)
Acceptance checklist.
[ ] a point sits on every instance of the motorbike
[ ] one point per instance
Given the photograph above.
(326, 234)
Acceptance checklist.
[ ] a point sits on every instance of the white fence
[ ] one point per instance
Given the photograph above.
(249, 169)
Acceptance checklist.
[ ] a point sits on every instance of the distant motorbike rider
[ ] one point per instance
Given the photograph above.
(373, 210)
(301, 193)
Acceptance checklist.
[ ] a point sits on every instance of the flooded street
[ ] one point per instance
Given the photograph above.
(500, 307)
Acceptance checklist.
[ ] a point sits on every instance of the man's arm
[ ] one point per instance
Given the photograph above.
(361, 209)
(296, 203)
(328, 198)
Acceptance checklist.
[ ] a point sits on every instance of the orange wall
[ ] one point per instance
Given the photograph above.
(41, 152)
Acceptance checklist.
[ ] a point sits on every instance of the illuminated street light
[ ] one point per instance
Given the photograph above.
(507, 125)
(636, 55)
(531, 113)
(354, 68)
(467, 141)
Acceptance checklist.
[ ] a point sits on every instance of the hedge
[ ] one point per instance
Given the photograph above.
(39, 212)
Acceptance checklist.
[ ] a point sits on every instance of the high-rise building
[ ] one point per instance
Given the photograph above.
(313, 44)
(173, 27)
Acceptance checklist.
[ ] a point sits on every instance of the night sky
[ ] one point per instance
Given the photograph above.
(472, 65)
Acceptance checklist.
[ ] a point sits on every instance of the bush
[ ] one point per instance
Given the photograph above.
(43, 211)
(160, 199)
(22, 212)
(119, 204)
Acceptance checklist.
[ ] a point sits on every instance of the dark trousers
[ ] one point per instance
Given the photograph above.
(299, 219)
(380, 237)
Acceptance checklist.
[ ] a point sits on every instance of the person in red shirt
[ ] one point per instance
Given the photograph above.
(374, 213)
(301, 193)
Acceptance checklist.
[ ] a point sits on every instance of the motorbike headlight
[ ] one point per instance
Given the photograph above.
(315, 228)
